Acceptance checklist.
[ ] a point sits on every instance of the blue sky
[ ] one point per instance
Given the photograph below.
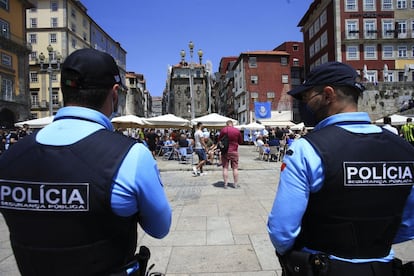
(153, 32)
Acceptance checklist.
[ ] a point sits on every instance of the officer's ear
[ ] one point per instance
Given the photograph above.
(329, 94)
(114, 93)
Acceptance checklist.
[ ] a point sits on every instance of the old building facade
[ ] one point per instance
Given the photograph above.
(375, 37)
(136, 100)
(188, 90)
(14, 51)
(260, 76)
(223, 87)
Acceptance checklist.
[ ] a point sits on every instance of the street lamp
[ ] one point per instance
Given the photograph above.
(50, 70)
(191, 69)
(191, 47)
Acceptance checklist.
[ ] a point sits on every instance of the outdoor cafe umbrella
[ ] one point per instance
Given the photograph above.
(167, 121)
(36, 123)
(254, 126)
(299, 126)
(396, 120)
(128, 121)
(240, 127)
(213, 120)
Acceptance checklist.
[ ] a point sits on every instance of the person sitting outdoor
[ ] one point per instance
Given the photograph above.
(169, 142)
(210, 147)
(275, 145)
(290, 139)
(184, 146)
(264, 149)
(266, 152)
(169, 147)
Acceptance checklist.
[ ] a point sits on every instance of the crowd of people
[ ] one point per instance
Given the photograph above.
(9, 137)
(277, 138)
(176, 144)
(162, 141)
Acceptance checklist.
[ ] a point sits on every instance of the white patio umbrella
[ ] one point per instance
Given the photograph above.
(278, 123)
(128, 121)
(36, 123)
(396, 120)
(299, 126)
(213, 120)
(167, 121)
(240, 127)
(254, 126)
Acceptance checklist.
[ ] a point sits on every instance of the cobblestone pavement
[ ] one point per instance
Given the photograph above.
(215, 231)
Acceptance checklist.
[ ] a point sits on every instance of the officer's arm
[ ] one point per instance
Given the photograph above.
(138, 190)
(406, 231)
(301, 173)
(153, 207)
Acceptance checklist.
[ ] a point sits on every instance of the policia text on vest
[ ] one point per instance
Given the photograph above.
(44, 196)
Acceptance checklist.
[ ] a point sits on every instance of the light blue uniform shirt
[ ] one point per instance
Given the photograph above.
(137, 185)
(304, 174)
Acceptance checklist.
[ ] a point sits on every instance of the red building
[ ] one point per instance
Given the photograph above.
(260, 76)
(296, 64)
(375, 37)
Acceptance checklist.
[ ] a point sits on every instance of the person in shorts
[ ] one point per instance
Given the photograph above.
(232, 154)
(200, 150)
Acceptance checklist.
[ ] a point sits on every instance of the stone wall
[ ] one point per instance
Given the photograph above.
(387, 98)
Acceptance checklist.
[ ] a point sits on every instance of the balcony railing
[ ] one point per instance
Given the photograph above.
(15, 39)
(35, 104)
(7, 98)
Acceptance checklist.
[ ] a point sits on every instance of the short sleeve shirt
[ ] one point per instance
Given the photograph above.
(198, 135)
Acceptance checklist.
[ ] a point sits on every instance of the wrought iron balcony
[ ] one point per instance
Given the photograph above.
(13, 41)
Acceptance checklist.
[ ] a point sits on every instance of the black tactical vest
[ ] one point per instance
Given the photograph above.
(56, 201)
(368, 178)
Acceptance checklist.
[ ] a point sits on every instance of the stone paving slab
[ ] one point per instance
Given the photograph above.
(212, 259)
(236, 218)
(250, 273)
(265, 253)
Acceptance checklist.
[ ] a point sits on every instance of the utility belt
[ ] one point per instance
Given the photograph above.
(298, 263)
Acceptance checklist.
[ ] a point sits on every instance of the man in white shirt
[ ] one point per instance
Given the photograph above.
(200, 150)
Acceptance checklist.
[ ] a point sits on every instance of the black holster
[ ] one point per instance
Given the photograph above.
(408, 269)
(141, 258)
(401, 269)
(298, 263)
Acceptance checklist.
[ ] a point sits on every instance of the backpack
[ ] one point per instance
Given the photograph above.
(223, 144)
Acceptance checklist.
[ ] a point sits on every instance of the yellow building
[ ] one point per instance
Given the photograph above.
(56, 28)
(14, 51)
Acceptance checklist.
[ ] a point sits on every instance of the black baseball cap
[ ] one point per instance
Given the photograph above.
(331, 73)
(96, 69)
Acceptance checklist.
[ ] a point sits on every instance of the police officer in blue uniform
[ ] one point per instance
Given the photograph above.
(73, 193)
(346, 189)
